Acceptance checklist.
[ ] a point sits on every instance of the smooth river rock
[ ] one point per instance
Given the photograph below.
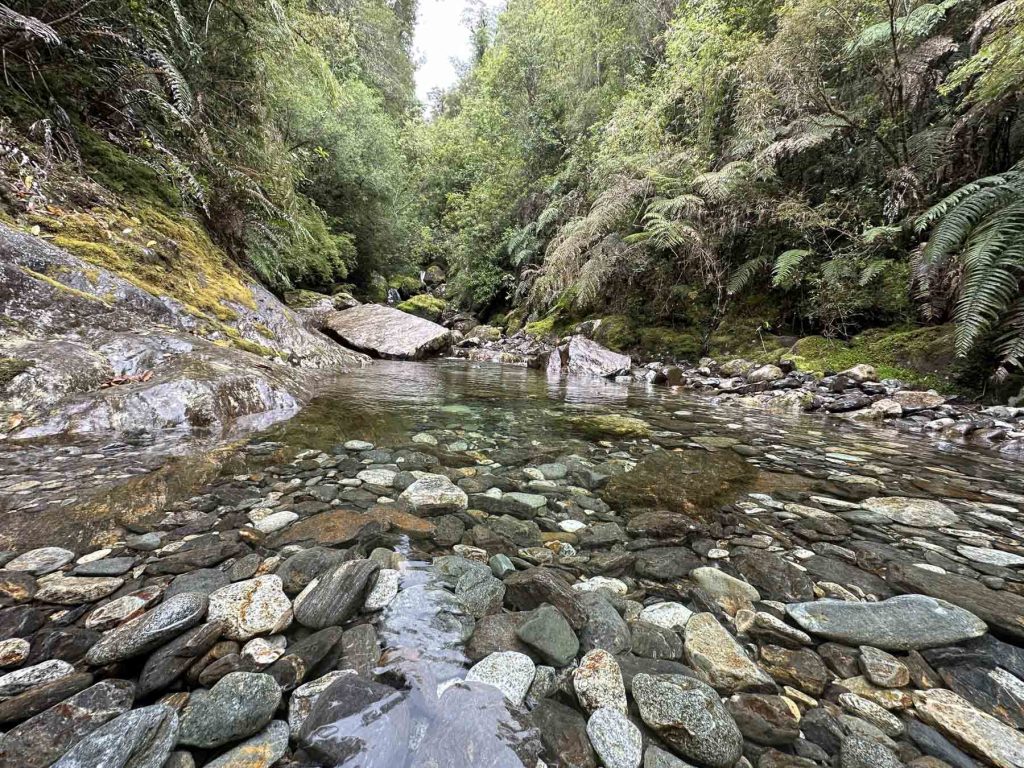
(688, 715)
(901, 623)
(141, 738)
(239, 705)
(150, 630)
(253, 607)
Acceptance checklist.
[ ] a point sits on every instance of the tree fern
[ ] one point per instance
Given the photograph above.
(980, 230)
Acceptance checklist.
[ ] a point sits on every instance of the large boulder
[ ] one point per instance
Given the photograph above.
(589, 358)
(387, 332)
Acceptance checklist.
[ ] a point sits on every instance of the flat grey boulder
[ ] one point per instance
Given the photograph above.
(902, 623)
(589, 358)
(387, 332)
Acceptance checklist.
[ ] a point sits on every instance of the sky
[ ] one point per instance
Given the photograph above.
(441, 36)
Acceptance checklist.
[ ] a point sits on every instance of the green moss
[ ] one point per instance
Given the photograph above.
(922, 357)
(118, 171)
(65, 288)
(426, 306)
(264, 331)
(669, 342)
(163, 252)
(597, 426)
(406, 285)
(303, 299)
(747, 336)
(11, 367)
(617, 332)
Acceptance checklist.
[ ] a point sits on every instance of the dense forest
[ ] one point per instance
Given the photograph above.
(803, 166)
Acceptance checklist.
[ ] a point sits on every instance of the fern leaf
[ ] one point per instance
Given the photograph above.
(786, 266)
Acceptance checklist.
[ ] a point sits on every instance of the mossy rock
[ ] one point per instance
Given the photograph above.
(164, 252)
(693, 483)
(617, 332)
(11, 367)
(426, 306)
(603, 425)
(406, 285)
(303, 299)
(921, 357)
(662, 342)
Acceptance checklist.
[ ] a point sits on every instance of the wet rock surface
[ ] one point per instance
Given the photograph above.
(481, 588)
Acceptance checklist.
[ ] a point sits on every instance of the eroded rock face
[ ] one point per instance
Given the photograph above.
(387, 332)
(75, 327)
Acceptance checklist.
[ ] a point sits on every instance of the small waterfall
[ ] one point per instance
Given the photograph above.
(394, 297)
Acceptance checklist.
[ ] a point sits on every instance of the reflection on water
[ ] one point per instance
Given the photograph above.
(430, 718)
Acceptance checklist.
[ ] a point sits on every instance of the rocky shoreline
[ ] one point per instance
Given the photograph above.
(456, 600)
(855, 394)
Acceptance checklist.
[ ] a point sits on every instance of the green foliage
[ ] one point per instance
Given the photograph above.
(281, 124)
(424, 305)
(978, 233)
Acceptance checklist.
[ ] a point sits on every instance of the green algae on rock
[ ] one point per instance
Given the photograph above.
(688, 482)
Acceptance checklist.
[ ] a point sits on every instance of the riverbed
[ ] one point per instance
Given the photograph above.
(436, 511)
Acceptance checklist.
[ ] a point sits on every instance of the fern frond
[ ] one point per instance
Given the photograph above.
(786, 265)
(746, 271)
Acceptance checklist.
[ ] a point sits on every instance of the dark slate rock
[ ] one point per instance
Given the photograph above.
(238, 706)
(141, 738)
(991, 690)
(38, 742)
(66, 643)
(764, 719)
(605, 628)
(498, 633)
(150, 630)
(107, 566)
(775, 578)
(360, 649)
(20, 621)
(529, 589)
(933, 743)
(1000, 609)
(301, 657)
(42, 697)
(190, 560)
(347, 696)
(654, 642)
(336, 596)
(16, 587)
(201, 582)
(550, 635)
(830, 569)
(169, 662)
(563, 732)
(301, 568)
(666, 563)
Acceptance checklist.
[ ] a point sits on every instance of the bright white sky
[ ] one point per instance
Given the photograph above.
(441, 36)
